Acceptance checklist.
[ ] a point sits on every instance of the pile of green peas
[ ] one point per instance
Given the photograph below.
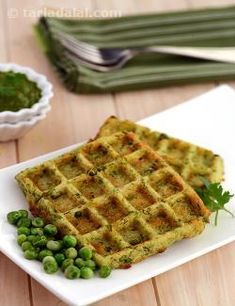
(39, 241)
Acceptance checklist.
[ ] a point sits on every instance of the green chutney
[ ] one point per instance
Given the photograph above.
(17, 91)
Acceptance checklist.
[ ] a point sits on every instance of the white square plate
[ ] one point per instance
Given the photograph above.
(207, 121)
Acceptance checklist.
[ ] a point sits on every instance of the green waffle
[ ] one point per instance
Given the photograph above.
(190, 161)
(117, 196)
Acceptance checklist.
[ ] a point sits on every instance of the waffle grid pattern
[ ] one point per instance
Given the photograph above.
(190, 161)
(117, 196)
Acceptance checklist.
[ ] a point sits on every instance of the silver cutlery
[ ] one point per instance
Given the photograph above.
(108, 59)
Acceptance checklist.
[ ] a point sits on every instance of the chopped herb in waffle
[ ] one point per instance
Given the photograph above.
(118, 196)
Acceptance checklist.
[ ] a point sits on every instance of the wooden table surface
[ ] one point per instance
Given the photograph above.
(208, 280)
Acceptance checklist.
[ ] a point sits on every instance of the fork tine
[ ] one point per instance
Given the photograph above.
(81, 45)
(86, 51)
(83, 54)
(93, 66)
(77, 49)
(87, 48)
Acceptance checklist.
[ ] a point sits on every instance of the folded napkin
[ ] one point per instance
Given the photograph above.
(208, 27)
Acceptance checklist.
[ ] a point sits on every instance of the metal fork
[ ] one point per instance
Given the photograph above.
(108, 59)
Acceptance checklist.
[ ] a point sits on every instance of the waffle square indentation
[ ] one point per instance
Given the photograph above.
(124, 144)
(112, 210)
(167, 185)
(45, 179)
(145, 163)
(98, 154)
(90, 187)
(69, 166)
(119, 174)
(134, 233)
(139, 196)
(65, 201)
(161, 221)
(84, 221)
(105, 244)
(184, 208)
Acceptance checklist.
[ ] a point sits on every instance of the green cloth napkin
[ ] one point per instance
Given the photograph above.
(208, 27)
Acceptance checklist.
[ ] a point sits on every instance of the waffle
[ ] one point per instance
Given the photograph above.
(190, 161)
(117, 196)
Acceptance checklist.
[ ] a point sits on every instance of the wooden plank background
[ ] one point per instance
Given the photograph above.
(208, 280)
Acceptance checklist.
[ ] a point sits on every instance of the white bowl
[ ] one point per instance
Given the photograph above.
(27, 113)
(10, 131)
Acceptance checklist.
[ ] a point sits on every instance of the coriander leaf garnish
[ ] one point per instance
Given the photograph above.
(214, 197)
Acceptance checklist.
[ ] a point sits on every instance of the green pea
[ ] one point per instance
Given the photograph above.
(39, 241)
(72, 272)
(30, 254)
(86, 273)
(54, 245)
(13, 217)
(24, 221)
(23, 230)
(71, 253)
(85, 253)
(37, 231)
(37, 222)
(79, 262)
(90, 264)
(59, 257)
(69, 241)
(104, 271)
(27, 246)
(30, 238)
(21, 238)
(48, 258)
(66, 263)
(23, 213)
(50, 230)
(43, 253)
(50, 266)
